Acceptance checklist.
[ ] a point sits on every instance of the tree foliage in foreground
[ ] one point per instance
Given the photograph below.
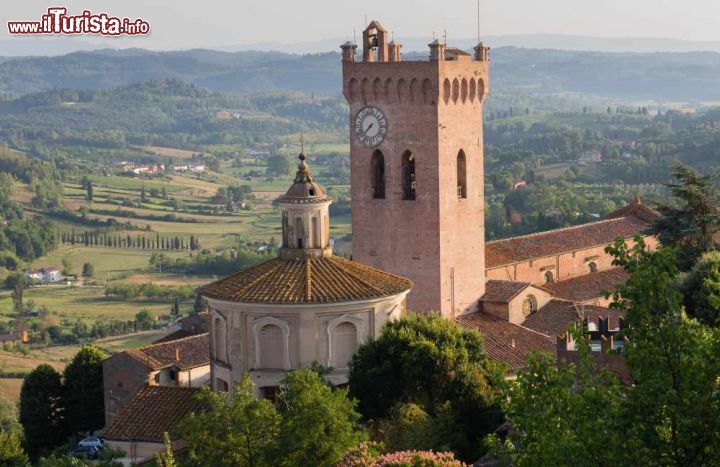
(701, 289)
(441, 368)
(691, 221)
(41, 410)
(314, 425)
(11, 450)
(671, 414)
(83, 391)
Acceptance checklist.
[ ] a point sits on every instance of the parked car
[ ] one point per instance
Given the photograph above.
(94, 441)
(86, 452)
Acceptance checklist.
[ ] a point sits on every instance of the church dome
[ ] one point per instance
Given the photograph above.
(330, 279)
(304, 188)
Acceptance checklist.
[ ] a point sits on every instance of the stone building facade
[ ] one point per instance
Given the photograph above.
(183, 362)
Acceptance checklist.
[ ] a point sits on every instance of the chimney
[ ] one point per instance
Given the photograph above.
(482, 53)
(437, 51)
(177, 354)
(512, 342)
(394, 51)
(349, 51)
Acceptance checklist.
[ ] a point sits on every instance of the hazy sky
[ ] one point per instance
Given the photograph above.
(213, 23)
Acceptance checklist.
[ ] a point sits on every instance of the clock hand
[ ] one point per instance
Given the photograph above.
(368, 128)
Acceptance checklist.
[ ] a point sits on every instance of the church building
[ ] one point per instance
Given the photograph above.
(305, 306)
(417, 181)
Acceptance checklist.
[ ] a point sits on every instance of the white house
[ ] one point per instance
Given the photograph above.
(44, 274)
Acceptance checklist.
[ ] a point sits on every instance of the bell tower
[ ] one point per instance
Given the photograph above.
(416, 155)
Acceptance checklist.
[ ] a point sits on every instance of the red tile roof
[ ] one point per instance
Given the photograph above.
(304, 281)
(506, 342)
(556, 315)
(184, 353)
(497, 291)
(179, 334)
(539, 245)
(637, 209)
(589, 286)
(153, 411)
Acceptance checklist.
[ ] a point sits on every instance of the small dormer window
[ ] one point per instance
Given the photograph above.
(312, 192)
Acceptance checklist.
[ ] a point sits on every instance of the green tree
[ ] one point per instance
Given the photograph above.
(673, 408)
(279, 165)
(562, 416)
(577, 415)
(88, 270)
(83, 391)
(441, 367)
(89, 191)
(66, 266)
(144, 319)
(199, 304)
(319, 424)
(41, 410)
(8, 415)
(17, 296)
(691, 221)
(175, 310)
(241, 430)
(11, 450)
(166, 458)
(701, 289)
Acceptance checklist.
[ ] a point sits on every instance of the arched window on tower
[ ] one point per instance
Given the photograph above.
(461, 175)
(378, 175)
(408, 172)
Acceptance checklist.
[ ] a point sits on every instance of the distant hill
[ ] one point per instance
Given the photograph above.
(61, 45)
(533, 41)
(692, 76)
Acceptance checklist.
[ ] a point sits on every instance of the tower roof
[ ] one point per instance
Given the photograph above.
(375, 24)
(304, 188)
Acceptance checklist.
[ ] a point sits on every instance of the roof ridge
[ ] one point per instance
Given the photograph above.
(308, 279)
(561, 229)
(144, 358)
(356, 276)
(174, 341)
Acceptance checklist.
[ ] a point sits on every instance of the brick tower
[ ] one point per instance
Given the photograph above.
(416, 151)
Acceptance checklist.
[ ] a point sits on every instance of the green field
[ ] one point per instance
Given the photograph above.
(88, 304)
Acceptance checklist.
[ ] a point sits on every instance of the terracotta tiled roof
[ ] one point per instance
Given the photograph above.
(304, 281)
(637, 209)
(539, 245)
(556, 315)
(179, 334)
(589, 286)
(506, 342)
(553, 318)
(502, 291)
(185, 353)
(153, 411)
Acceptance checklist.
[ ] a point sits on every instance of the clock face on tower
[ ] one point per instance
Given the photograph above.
(370, 126)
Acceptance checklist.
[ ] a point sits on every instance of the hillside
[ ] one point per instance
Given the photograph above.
(638, 76)
(90, 123)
